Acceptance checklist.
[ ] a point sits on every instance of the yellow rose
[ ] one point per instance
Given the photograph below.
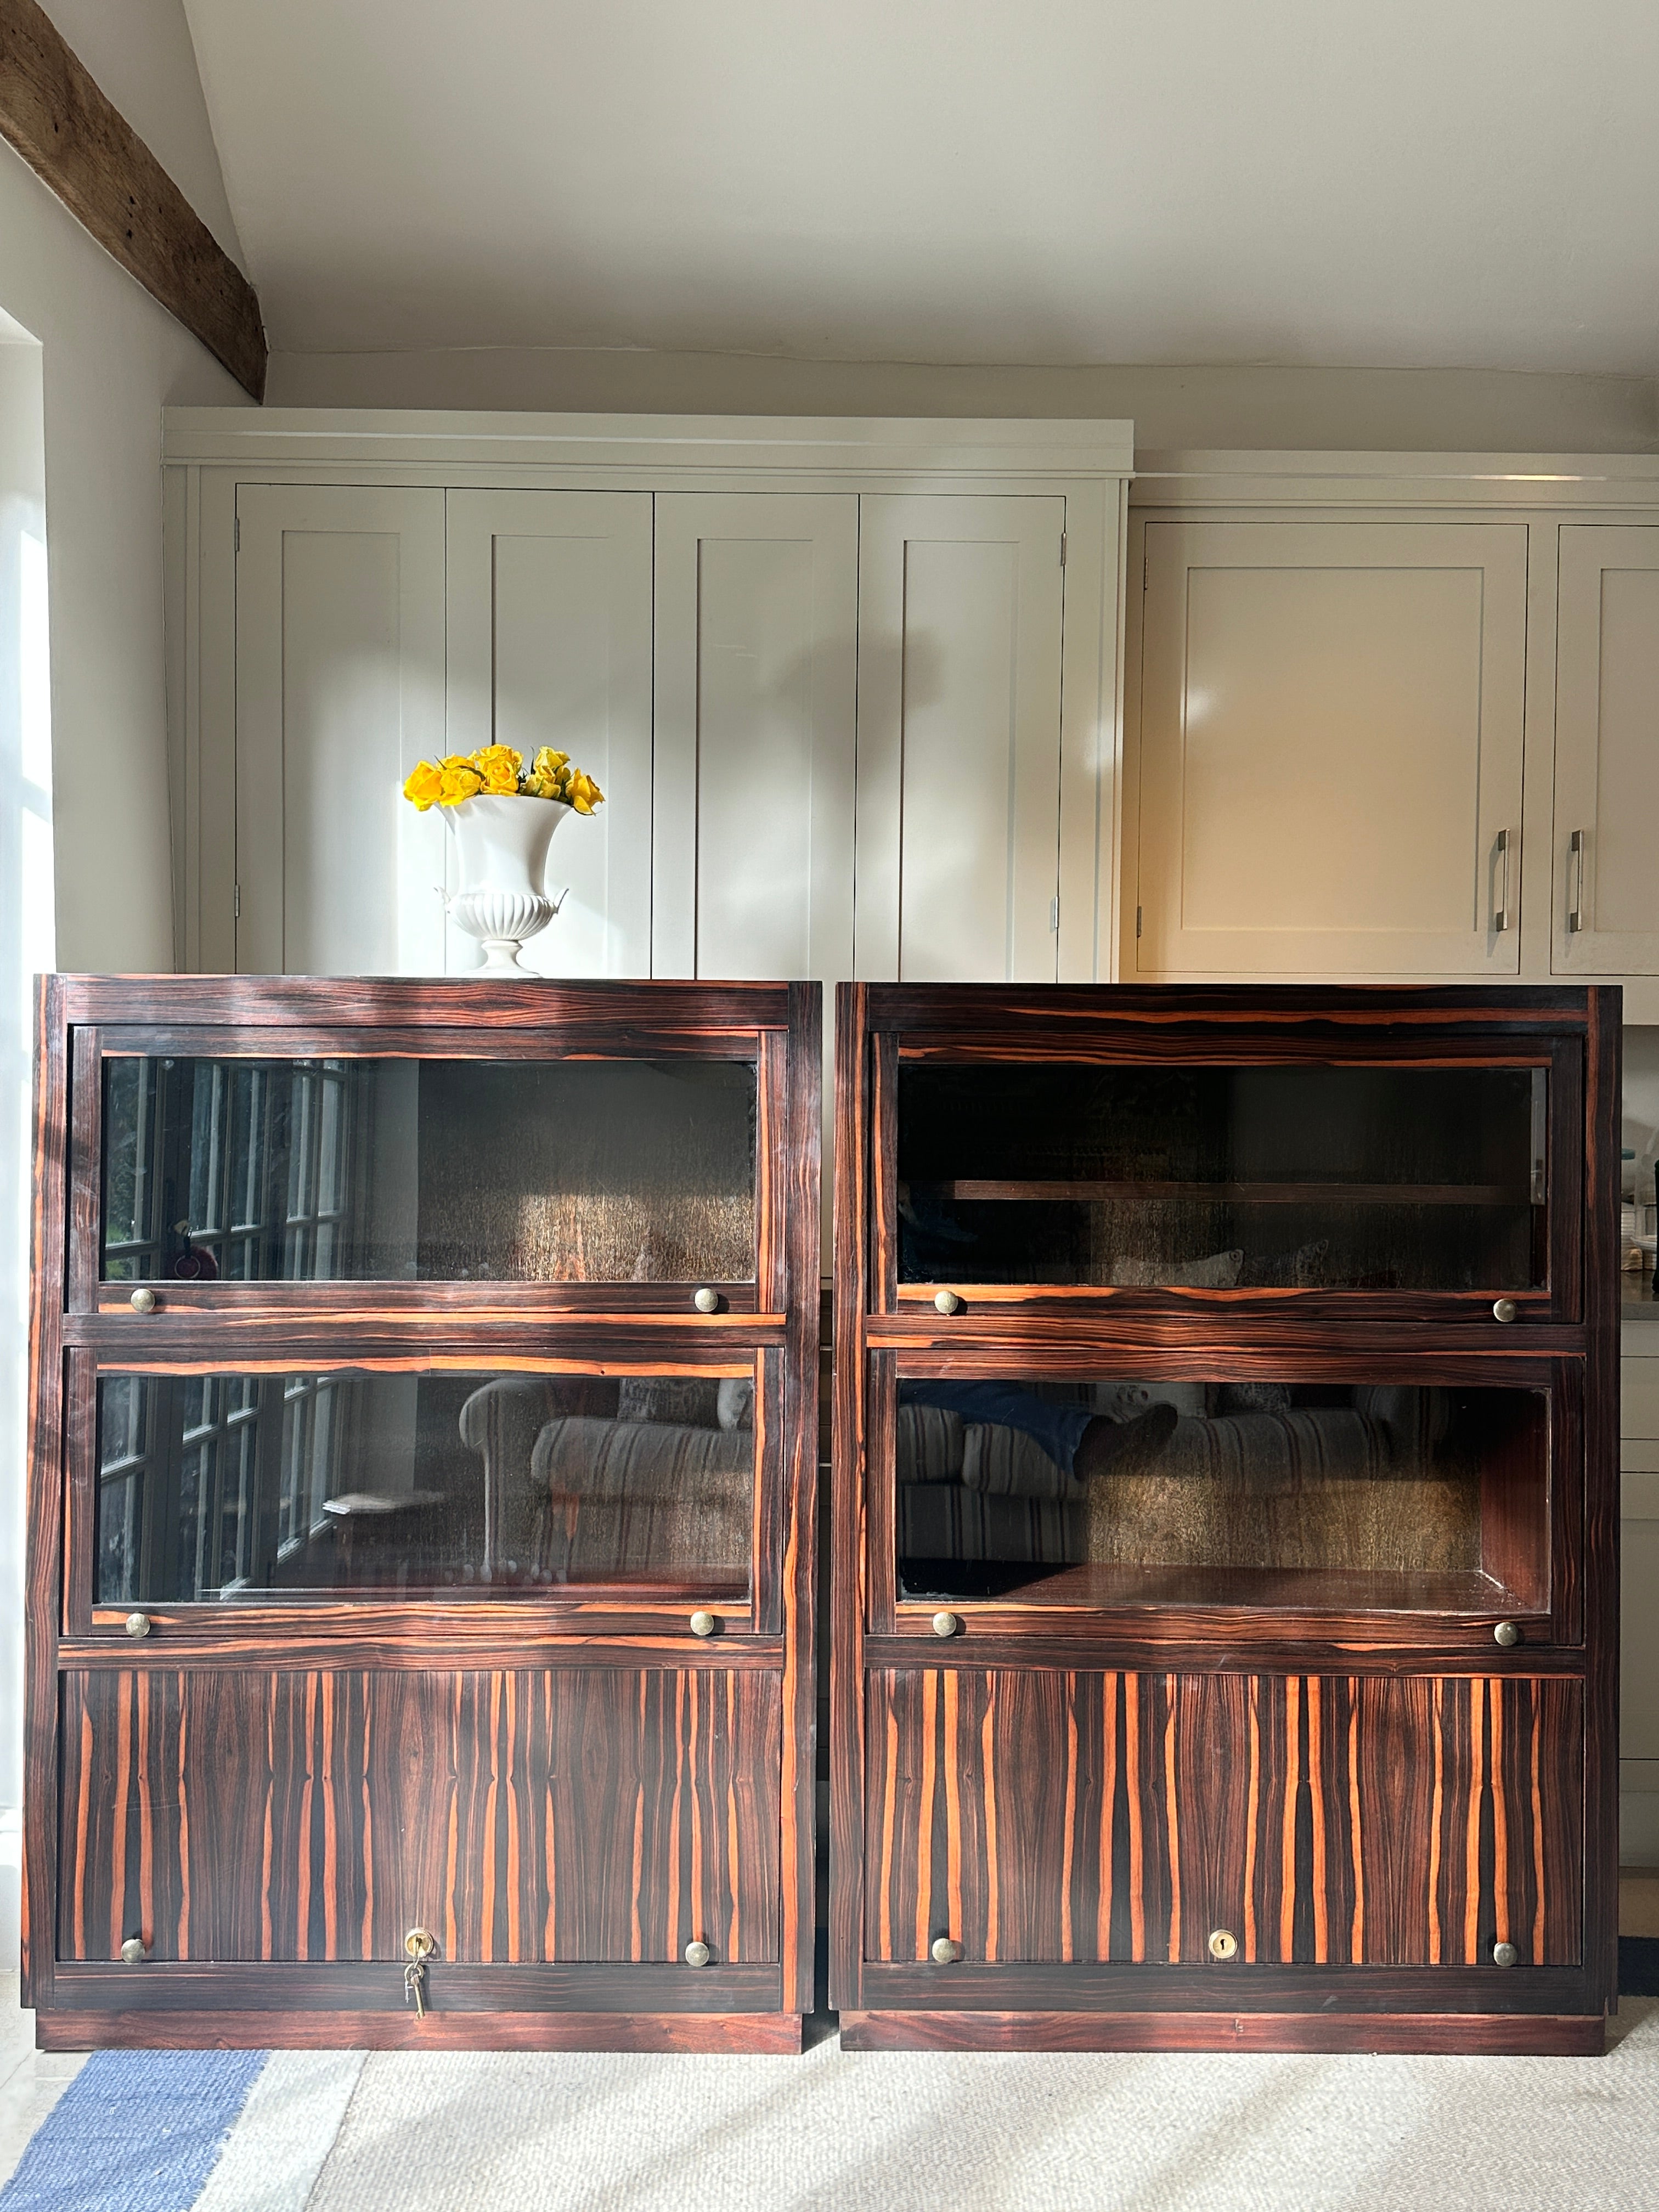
(584, 793)
(425, 785)
(547, 763)
(499, 766)
(459, 782)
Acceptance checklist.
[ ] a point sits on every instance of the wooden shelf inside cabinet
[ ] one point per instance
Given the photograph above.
(1243, 1193)
(424, 1404)
(1281, 1593)
(1180, 1632)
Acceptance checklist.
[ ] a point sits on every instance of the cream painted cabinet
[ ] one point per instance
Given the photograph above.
(1605, 911)
(548, 643)
(960, 614)
(1331, 737)
(756, 650)
(340, 689)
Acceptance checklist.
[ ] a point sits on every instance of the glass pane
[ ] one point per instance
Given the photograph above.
(1301, 1178)
(437, 1171)
(1312, 1495)
(444, 1484)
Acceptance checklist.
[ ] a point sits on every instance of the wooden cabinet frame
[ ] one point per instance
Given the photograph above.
(185, 1672)
(1563, 1343)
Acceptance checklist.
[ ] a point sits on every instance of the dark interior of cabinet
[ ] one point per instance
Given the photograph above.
(1351, 1177)
(433, 1170)
(1312, 1497)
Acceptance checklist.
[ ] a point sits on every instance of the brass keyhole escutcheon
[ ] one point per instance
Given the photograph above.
(1224, 1944)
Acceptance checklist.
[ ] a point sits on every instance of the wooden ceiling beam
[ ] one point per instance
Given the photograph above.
(54, 114)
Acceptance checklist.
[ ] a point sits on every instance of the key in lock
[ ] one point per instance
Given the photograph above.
(419, 1946)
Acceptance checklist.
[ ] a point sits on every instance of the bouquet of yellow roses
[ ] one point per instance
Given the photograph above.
(499, 772)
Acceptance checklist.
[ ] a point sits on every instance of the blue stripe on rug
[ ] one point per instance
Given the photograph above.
(134, 2132)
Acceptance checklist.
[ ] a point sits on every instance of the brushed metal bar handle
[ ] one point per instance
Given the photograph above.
(1500, 919)
(1576, 860)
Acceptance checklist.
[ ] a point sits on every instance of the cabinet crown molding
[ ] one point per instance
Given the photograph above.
(824, 446)
(1548, 481)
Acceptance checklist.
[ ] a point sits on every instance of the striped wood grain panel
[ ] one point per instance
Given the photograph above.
(557, 1814)
(1054, 1816)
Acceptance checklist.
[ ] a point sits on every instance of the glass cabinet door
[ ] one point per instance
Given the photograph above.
(435, 1170)
(1345, 1495)
(1381, 1178)
(230, 1486)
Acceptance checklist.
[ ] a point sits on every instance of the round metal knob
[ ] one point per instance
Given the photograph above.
(703, 1624)
(1506, 1633)
(945, 1952)
(1504, 1954)
(947, 1624)
(133, 1952)
(1224, 1944)
(142, 1299)
(706, 1301)
(697, 1954)
(1504, 1309)
(137, 1624)
(947, 1302)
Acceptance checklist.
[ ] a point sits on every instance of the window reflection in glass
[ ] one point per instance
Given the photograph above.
(226, 1486)
(242, 1170)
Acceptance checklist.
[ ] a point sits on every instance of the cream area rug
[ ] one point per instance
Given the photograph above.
(888, 2132)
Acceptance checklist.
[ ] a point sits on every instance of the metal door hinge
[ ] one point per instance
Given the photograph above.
(1054, 913)
(1137, 921)
(1145, 571)
(239, 533)
(236, 903)
(1062, 548)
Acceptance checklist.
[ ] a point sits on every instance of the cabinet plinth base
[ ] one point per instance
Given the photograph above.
(777, 2032)
(1560, 2035)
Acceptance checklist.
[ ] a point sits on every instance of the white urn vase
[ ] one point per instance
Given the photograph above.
(501, 846)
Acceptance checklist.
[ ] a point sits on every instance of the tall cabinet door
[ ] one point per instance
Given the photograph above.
(756, 649)
(549, 635)
(339, 691)
(1606, 921)
(958, 770)
(1331, 745)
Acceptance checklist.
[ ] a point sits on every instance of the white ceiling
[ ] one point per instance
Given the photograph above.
(1447, 183)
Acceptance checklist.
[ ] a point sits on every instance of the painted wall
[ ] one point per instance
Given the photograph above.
(111, 359)
(1254, 408)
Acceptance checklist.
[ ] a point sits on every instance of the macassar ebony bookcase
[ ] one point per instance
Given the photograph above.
(1223, 1616)
(420, 1641)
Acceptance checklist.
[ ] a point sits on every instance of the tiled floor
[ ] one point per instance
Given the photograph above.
(31, 2081)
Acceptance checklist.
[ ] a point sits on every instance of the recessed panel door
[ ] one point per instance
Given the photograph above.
(339, 691)
(756, 647)
(960, 616)
(549, 631)
(1330, 749)
(1606, 910)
